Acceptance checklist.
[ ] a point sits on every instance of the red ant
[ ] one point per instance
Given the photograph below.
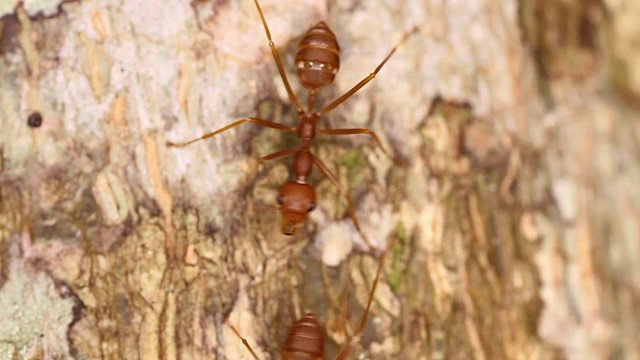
(317, 61)
(305, 338)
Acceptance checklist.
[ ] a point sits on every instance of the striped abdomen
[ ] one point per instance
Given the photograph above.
(305, 340)
(318, 57)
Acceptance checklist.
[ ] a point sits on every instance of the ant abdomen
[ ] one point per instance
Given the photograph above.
(318, 57)
(304, 340)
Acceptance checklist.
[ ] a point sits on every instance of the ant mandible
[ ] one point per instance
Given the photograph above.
(317, 61)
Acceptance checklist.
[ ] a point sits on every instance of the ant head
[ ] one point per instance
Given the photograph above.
(296, 202)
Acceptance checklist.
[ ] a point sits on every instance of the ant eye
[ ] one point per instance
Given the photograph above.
(281, 199)
(312, 207)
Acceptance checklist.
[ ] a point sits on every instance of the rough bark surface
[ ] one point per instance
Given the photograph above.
(511, 197)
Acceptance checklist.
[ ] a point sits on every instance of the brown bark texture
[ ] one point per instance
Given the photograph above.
(510, 198)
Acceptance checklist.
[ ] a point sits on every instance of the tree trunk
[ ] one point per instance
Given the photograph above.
(509, 203)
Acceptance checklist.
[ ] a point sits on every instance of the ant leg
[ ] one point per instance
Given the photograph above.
(261, 122)
(244, 341)
(370, 77)
(327, 284)
(365, 315)
(277, 154)
(344, 192)
(355, 131)
(338, 302)
(283, 75)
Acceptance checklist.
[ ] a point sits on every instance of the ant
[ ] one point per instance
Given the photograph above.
(317, 61)
(305, 338)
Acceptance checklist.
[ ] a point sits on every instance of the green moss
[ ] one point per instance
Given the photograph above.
(33, 307)
(355, 163)
(395, 279)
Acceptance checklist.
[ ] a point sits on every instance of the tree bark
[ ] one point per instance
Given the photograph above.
(509, 203)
